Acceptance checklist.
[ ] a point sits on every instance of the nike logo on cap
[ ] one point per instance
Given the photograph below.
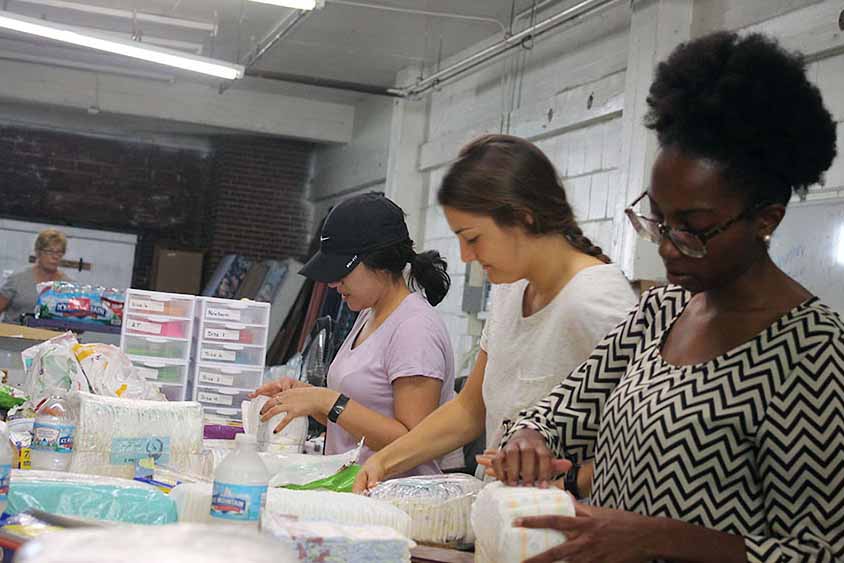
(323, 239)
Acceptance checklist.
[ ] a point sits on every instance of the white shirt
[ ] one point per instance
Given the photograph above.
(529, 356)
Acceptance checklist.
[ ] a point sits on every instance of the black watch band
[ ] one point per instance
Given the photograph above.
(570, 481)
(338, 408)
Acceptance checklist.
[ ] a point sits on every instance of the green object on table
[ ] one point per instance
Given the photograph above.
(340, 482)
(8, 399)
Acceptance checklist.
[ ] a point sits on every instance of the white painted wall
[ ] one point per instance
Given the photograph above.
(594, 149)
(340, 171)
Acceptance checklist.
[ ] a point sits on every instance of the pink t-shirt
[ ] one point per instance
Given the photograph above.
(412, 341)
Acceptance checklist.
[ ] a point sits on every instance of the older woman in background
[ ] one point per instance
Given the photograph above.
(18, 294)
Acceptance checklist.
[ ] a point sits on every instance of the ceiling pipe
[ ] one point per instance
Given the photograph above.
(522, 38)
(323, 82)
(449, 15)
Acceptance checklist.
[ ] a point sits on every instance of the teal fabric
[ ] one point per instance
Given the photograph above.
(100, 502)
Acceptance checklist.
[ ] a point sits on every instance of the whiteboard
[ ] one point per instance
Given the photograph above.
(809, 246)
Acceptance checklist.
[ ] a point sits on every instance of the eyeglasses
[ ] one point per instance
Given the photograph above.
(689, 242)
(53, 253)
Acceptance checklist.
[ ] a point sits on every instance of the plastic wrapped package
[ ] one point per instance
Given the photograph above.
(326, 542)
(178, 543)
(439, 506)
(495, 509)
(52, 369)
(110, 373)
(301, 469)
(86, 496)
(112, 435)
(68, 300)
(340, 508)
(292, 436)
(193, 503)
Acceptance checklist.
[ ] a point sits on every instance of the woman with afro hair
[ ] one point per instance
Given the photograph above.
(714, 414)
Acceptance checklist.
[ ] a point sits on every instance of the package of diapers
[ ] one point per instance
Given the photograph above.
(113, 435)
(439, 506)
(497, 505)
(327, 542)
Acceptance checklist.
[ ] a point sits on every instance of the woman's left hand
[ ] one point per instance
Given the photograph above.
(300, 401)
(597, 535)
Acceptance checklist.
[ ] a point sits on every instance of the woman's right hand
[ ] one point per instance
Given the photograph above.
(372, 473)
(278, 386)
(526, 460)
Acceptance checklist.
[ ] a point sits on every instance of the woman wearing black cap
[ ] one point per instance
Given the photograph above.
(397, 364)
(715, 412)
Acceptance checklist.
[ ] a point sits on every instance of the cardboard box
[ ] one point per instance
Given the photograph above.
(177, 271)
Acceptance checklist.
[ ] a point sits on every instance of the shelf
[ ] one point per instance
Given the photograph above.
(71, 325)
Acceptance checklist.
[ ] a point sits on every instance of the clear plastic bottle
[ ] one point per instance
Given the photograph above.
(52, 434)
(240, 485)
(6, 456)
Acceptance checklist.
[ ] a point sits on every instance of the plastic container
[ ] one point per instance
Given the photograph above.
(161, 304)
(234, 332)
(240, 485)
(156, 347)
(6, 458)
(219, 397)
(53, 433)
(229, 311)
(152, 325)
(161, 372)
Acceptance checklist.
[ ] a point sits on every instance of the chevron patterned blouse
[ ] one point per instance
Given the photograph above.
(751, 442)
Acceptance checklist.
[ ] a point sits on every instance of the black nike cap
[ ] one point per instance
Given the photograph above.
(356, 227)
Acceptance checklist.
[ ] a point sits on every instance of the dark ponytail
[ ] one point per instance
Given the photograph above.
(510, 180)
(428, 270)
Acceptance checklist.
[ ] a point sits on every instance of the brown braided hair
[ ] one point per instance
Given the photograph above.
(511, 180)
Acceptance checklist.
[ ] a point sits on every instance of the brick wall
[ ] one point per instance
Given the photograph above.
(242, 195)
(260, 208)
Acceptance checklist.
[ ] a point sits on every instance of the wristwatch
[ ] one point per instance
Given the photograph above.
(338, 408)
(570, 481)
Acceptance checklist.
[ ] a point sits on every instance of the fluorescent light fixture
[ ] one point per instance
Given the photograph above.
(127, 48)
(297, 4)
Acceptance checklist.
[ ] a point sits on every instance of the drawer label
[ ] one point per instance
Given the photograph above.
(143, 326)
(144, 305)
(222, 334)
(216, 378)
(222, 314)
(222, 355)
(214, 398)
(148, 373)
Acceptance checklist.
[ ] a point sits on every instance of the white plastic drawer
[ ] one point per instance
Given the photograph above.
(219, 397)
(155, 347)
(153, 325)
(160, 304)
(173, 392)
(161, 372)
(234, 332)
(243, 312)
(242, 378)
(231, 354)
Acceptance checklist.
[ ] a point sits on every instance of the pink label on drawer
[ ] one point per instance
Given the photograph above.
(222, 334)
(143, 305)
(216, 378)
(148, 373)
(222, 314)
(143, 326)
(214, 398)
(223, 355)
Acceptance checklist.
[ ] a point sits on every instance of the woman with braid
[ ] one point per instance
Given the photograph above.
(555, 296)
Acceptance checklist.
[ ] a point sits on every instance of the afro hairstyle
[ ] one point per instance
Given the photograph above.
(746, 104)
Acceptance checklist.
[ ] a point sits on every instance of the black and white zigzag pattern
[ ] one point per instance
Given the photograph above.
(750, 443)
